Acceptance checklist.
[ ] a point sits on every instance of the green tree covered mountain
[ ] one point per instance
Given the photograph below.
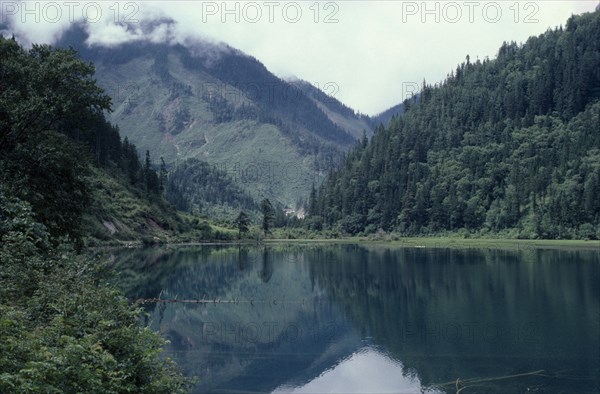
(60, 155)
(198, 187)
(508, 146)
(214, 103)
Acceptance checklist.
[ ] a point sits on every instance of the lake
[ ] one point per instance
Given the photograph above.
(370, 319)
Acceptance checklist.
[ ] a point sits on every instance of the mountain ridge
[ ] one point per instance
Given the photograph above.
(216, 104)
(505, 147)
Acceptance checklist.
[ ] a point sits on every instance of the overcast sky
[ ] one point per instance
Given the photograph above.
(368, 54)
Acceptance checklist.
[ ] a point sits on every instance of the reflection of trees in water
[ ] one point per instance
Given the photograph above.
(209, 340)
(450, 313)
(446, 314)
(242, 257)
(246, 260)
(267, 266)
(189, 272)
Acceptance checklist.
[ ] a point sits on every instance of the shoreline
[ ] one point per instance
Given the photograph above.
(458, 243)
(408, 242)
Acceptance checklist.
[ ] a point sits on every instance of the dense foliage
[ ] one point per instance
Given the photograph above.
(268, 213)
(42, 90)
(195, 186)
(51, 129)
(507, 146)
(243, 223)
(63, 330)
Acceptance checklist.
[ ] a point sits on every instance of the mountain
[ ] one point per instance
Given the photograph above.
(214, 103)
(196, 186)
(387, 115)
(507, 147)
(61, 159)
(345, 117)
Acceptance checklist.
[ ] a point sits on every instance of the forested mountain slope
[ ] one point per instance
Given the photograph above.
(509, 146)
(353, 123)
(211, 102)
(63, 159)
(198, 187)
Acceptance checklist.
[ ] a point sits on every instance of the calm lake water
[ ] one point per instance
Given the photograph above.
(355, 319)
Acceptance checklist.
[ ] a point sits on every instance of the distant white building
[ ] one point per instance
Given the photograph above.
(291, 213)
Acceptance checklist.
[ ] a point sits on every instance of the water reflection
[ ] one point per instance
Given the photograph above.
(366, 371)
(342, 318)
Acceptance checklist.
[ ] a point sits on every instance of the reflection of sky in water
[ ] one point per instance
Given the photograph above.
(366, 371)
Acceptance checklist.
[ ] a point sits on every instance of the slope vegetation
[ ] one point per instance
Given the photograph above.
(508, 146)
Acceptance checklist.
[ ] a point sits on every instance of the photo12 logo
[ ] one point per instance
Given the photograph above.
(471, 11)
(410, 90)
(71, 11)
(268, 332)
(268, 11)
(265, 172)
(270, 92)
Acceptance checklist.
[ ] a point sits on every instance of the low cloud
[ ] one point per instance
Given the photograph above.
(370, 49)
(110, 34)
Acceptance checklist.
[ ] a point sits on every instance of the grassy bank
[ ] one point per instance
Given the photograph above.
(458, 243)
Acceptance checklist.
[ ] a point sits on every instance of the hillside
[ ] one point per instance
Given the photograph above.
(84, 183)
(508, 147)
(213, 103)
(198, 187)
(354, 123)
(63, 329)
